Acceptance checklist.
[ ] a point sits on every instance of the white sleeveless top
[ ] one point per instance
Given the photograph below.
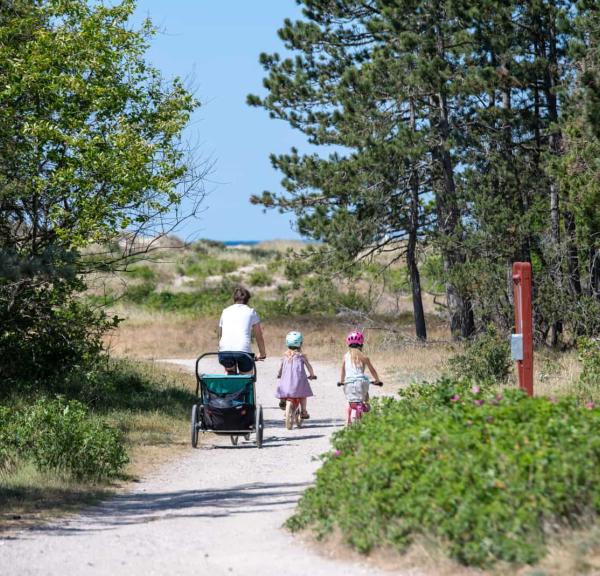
(356, 386)
(353, 372)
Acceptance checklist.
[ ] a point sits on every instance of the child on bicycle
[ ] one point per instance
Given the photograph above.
(293, 380)
(353, 377)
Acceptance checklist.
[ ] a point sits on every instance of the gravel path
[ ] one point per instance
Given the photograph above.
(218, 511)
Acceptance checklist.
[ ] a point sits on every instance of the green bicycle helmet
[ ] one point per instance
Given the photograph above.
(294, 339)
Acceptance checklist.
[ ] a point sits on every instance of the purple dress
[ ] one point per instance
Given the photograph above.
(293, 382)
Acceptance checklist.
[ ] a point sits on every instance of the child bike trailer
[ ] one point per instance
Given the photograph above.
(226, 405)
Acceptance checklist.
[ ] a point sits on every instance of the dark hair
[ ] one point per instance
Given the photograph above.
(241, 295)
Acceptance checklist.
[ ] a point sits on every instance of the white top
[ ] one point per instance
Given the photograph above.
(236, 328)
(352, 371)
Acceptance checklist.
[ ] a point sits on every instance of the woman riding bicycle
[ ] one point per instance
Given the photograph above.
(237, 325)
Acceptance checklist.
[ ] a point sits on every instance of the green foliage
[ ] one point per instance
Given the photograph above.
(316, 295)
(57, 336)
(204, 245)
(485, 359)
(95, 128)
(64, 436)
(209, 266)
(432, 272)
(90, 141)
(209, 301)
(448, 170)
(142, 273)
(589, 380)
(139, 293)
(484, 474)
(260, 277)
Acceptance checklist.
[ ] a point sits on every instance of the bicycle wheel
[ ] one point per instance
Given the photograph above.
(194, 425)
(289, 414)
(260, 426)
(298, 416)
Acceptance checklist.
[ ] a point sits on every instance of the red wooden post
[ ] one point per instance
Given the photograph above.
(523, 350)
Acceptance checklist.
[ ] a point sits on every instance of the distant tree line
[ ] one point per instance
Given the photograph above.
(473, 127)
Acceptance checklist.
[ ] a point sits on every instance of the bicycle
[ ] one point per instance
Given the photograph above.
(357, 407)
(293, 410)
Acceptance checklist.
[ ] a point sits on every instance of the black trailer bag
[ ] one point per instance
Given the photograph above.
(228, 411)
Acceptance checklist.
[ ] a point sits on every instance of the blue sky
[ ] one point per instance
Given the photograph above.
(216, 44)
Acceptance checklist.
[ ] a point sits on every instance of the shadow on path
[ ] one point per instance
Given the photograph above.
(143, 507)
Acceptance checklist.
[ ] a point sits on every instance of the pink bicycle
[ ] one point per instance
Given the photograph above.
(357, 398)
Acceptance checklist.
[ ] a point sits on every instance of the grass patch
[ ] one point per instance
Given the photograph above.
(490, 477)
(260, 277)
(28, 495)
(143, 405)
(208, 266)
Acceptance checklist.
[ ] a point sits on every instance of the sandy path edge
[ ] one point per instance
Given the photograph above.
(217, 510)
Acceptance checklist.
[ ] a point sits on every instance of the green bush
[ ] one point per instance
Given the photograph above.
(7, 437)
(260, 278)
(63, 435)
(48, 344)
(484, 474)
(486, 359)
(139, 293)
(588, 386)
(208, 301)
(208, 266)
(142, 272)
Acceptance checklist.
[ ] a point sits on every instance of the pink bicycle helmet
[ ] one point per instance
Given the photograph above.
(355, 338)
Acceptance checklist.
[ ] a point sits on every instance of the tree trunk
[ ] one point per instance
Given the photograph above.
(550, 83)
(572, 255)
(594, 258)
(411, 252)
(462, 323)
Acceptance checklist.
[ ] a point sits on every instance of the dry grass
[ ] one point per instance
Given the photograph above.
(574, 553)
(29, 496)
(153, 437)
(396, 355)
(399, 359)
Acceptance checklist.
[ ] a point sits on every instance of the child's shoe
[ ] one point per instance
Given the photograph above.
(305, 415)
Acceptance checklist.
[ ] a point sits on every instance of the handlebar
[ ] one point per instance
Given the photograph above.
(374, 382)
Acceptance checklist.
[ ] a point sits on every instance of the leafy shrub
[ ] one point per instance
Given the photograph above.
(7, 437)
(208, 266)
(203, 245)
(141, 272)
(588, 385)
(139, 293)
(62, 435)
(260, 278)
(101, 300)
(50, 343)
(208, 301)
(484, 474)
(486, 359)
(432, 274)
